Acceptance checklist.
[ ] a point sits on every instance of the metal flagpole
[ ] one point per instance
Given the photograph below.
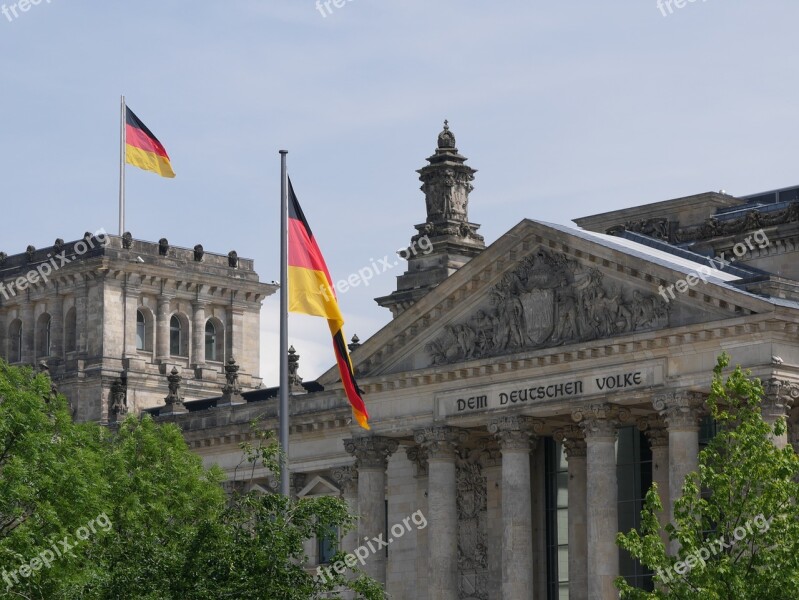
(122, 167)
(283, 408)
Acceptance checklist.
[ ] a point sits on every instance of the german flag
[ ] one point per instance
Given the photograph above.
(142, 148)
(311, 292)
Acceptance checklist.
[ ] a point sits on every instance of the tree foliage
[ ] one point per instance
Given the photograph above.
(143, 518)
(739, 539)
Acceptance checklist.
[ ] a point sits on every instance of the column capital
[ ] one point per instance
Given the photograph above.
(573, 441)
(516, 432)
(418, 456)
(779, 395)
(655, 430)
(371, 452)
(681, 409)
(601, 419)
(440, 442)
(347, 479)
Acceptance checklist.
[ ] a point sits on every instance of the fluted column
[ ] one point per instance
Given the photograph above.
(198, 334)
(681, 411)
(656, 432)
(600, 423)
(347, 480)
(574, 446)
(778, 399)
(371, 459)
(163, 313)
(440, 444)
(516, 438)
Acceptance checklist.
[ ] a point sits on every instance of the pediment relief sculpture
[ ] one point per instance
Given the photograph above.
(548, 300)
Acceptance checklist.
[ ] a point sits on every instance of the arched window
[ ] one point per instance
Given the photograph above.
(141, 331)
(43, 335)
(210, 341)
(15, 341)
(71, 330)
(178, 335)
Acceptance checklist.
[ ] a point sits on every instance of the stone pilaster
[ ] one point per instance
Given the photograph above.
(346, 479)
(681, 411)
(656, 432)
(441, 444)
(418, 457)
(130, 296)
(57, 329)
(162, 316)
(778, 399)
(371, 459)
(516, 438)
(198, 335)
(600, 423)
(574, 446)
(28, 333)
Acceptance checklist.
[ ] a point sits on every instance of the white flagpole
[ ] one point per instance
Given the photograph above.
(122, 166)
(283, 406)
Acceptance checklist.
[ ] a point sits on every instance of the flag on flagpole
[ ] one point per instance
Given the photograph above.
(311, 292)
(142, 148)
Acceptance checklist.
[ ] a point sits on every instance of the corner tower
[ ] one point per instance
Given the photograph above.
(446, 240)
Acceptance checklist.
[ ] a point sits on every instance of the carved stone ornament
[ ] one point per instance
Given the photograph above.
(29, 252)
(440, 442)
(572, 439)
(751, 220)
(346, 479)
(199, 252)
(418, 456)
(371, 452)
(233, 259)
(174, 380)
(163, 246)
(779, 397)
(3, 258)
(516, 432)
(127, 240)
(681, 409)
(548, 300)
(58, 246)
(472, 501)
(600, 419)
(657, 228)
(655, 429)
(119, 398)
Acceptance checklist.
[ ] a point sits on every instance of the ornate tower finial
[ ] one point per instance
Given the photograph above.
(446, 139)
(174, 400)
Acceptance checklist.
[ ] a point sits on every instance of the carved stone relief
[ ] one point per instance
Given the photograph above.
(472, 546)
(547, 301)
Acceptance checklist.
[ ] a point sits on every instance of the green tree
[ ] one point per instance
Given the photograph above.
(739, 540)
(156, 524)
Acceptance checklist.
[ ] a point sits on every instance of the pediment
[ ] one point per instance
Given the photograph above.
(319, 486)
(542, 286)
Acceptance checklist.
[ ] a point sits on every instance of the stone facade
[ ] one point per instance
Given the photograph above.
(100, 313)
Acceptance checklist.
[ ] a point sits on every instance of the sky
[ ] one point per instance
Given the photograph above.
(566, 109)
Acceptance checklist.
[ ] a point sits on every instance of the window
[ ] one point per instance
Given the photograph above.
(557, 520)
(210, 341)
(71, 331)
(176, 336)
(43, 335)
(141, 331)
(15, 341)
(327, 546)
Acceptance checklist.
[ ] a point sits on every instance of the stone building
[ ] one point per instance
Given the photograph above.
(110, 312)
(523, 396)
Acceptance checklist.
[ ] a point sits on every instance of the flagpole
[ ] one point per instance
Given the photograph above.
(283, 408)
(122, 166)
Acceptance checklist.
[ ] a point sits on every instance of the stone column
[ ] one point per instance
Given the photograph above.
(131, 294)
(371, 459)
(347, 480)
(162, 317)
(57, 329)
(516, 438)
(778, 399)
(441, 443)
(418, 456)
(654, 428)
(198, 334)
(599, 423)
(574, 446)
(28, 333)
(681, 411)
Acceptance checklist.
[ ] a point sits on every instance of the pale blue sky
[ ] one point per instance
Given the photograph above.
(565, 108)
